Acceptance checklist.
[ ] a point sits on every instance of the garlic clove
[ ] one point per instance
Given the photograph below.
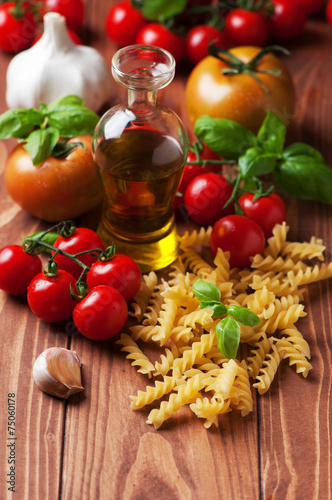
(57, 371)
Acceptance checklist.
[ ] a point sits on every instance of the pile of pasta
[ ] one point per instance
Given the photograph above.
(190, 369)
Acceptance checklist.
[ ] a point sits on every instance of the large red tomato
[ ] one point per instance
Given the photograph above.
(58, 189)
(240, 97)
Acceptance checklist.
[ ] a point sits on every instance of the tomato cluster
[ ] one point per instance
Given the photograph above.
(202, 22)
(240, 226)
(95, 293)
(20, 22)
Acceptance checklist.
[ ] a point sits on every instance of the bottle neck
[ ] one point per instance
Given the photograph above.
(141, 100)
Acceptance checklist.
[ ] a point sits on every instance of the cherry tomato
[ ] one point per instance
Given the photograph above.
(17, 32)
(329, 12)
(240, 236)
(123, 23)
(310, 6)
(81, 240)
(72, 10)
(267, 211)
(239, 97)
(205, 197)
(120, 272)
(192, 171)
(101, 314)
(17, 268)
(59, 189)
(49, 297)
(160, 36)
(287, 20)
(246, 27)
(198, 39)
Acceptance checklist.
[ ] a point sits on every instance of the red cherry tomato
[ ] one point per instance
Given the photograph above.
(287, 21)
(81, 240)
(329, 12)
(205, 197)
(198, 39)
(49, 297)
(17, 269)
(75, 38)
(192, 171)
(120, 272)
(310, 6)
(101, 314)
(72, 10)
(267, 211)
(246, 27)
(17, 32)
(123, 23)
(158, 35)
(240, 236)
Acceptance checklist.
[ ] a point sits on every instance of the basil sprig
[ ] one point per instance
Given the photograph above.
(299, 169)
(228, 328)
(160, 10)
(40, 130)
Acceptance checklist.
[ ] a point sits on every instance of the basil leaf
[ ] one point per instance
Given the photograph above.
(255, 162)
(243, 315)
(228, 337)
(227, 138)
(40, 143)
(219, 310)
(300, 149)
(305, 177)
(19, 122)
(160, 10)
(68, 100)
(73, 120)
(206, 291)
(272, 133)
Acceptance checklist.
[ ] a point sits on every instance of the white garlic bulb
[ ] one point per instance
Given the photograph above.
(57, 371)
(55, 67)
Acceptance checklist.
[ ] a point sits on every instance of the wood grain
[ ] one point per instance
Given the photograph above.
(94, 446)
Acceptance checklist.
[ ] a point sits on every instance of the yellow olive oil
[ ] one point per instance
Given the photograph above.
(140, 171)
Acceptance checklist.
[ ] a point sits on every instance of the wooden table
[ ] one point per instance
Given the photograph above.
(94, 446)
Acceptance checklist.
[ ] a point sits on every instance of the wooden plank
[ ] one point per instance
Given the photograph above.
(95, 446)
(295, 415)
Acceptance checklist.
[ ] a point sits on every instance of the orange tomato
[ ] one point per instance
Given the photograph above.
(58, 189)
(240, 97)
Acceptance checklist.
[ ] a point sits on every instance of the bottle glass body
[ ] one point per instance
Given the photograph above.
(140, 147)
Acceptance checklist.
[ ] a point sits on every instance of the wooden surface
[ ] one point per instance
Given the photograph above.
(94, 446)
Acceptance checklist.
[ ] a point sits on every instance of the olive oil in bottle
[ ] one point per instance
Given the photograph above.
(140, 148)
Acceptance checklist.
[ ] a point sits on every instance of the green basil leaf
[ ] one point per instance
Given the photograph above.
(160, 10)
(19, 122)
(305, 177)
(43, 109)
(227, 138)
(68, 100)
(243, 315)
(219, 310)
(255, 162)
(40, 143)
(206, 291)
(228, 337)
(272, 133)
(73, 120)
(301, 149)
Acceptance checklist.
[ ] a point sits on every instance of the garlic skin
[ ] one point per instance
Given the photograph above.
(57, 371)
(55, 67)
